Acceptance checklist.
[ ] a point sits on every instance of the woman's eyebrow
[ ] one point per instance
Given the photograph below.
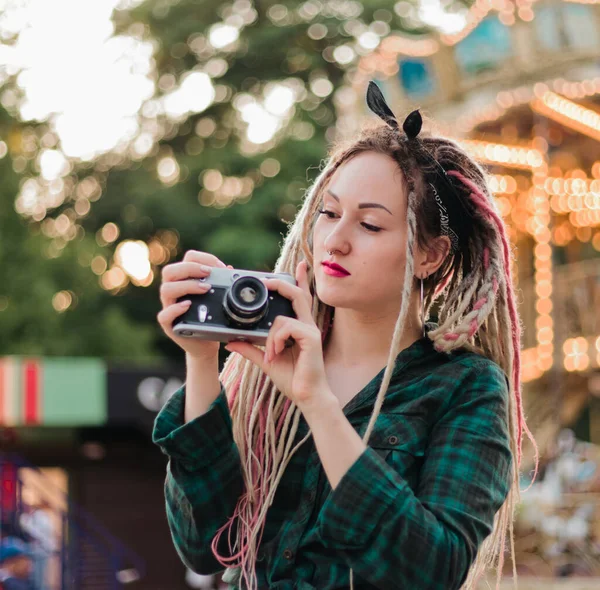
(362, 205)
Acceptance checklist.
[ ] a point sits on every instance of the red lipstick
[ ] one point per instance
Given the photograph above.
(335, 270)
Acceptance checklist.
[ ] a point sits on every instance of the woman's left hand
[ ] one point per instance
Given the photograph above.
(298, 371)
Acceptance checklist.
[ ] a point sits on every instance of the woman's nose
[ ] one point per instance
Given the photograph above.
(338, 240)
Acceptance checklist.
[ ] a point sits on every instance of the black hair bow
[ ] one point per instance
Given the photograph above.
(412, 124)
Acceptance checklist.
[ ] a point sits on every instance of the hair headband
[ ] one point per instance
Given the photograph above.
(449, 208)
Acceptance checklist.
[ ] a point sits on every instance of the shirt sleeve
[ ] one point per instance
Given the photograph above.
(204, 478)
(395, 538)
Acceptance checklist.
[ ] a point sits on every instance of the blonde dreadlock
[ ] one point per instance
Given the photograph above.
(476, 311)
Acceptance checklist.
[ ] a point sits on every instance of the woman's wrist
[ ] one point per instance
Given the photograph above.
(323, 401)
(202, 360)
(202, 385)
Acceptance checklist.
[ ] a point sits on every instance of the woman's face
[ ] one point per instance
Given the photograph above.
(365, 229)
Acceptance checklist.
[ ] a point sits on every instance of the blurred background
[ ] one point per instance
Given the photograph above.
(132, 131)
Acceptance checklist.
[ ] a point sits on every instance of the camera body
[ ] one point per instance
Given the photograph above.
(238, 307)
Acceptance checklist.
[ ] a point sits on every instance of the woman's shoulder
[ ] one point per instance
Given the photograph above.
(436, 382)
(468, 363)
(466, 377)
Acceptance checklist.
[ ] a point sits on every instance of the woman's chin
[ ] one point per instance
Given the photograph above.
(333, 297)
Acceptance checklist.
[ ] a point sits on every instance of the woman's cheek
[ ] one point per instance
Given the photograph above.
(318, 237)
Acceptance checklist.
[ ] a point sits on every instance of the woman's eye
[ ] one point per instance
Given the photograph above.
(332, 215)
(329, 214)
(372, 228)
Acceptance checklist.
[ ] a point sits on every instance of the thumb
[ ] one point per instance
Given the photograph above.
(248, 351)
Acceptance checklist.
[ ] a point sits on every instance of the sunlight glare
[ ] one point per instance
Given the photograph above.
(73, 71)
(433, 13)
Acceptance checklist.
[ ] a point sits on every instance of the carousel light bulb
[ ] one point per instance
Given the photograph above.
(568, 113)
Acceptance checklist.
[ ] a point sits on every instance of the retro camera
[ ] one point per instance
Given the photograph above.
(238, 307)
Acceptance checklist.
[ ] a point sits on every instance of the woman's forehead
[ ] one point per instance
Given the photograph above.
(370, 175)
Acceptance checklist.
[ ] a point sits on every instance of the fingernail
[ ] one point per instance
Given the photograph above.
(205, 268)
(185, 303)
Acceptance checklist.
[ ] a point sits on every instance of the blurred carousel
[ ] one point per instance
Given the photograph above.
(519, 87)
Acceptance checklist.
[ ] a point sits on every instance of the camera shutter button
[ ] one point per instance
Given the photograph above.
(202, 313)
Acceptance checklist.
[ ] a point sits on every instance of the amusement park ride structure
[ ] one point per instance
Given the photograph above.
(519, 87)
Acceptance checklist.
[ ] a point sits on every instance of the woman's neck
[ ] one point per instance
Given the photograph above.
(357, 338)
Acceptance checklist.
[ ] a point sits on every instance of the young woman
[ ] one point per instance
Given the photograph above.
(380, 450)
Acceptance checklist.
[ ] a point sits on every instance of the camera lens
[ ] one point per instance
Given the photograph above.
(246, 301)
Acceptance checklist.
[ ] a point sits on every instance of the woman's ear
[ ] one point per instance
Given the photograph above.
(429, 259)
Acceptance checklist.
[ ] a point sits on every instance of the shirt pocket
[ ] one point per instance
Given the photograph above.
(401, 441)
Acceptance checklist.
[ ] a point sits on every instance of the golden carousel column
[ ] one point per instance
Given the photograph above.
(532, 158)
(543, 359)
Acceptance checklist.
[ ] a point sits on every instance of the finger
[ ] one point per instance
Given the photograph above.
(203, 258)
(248, 351)
(291, 331)
(295, 294)
(185, 270)
(172, 291)
(289, 328)
(271, 337)
(302, 280)
(167, 316)
(269, 343)
(277, 347)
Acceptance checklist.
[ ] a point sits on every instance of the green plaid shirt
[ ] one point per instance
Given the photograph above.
(409, 514)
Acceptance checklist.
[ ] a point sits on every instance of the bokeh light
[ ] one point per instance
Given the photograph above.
(62, 301)
(195, 93)
(133, 256)
(221, 35)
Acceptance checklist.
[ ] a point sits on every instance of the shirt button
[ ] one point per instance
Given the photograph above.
(393, 440)
(288, 554)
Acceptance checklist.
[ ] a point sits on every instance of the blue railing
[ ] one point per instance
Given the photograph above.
(90, 556)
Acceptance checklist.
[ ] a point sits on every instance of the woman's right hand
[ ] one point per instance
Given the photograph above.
(178, 280)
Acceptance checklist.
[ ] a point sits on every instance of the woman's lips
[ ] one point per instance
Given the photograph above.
(334, 272)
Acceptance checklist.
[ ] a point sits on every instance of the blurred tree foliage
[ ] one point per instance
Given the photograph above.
(274, 45)
(31, 282)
